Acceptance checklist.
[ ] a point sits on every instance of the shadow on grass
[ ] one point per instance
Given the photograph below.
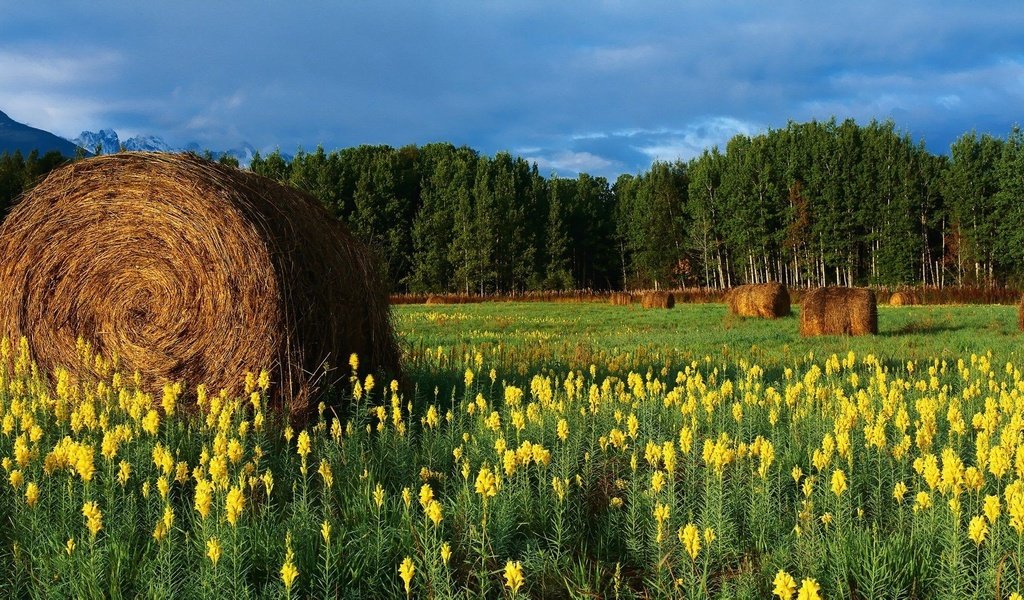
(925, 327)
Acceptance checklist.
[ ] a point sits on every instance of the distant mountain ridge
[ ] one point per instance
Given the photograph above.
(106, 141)
(15, 136)
(18, 137)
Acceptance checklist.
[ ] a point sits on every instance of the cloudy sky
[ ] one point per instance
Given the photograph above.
(602, 87)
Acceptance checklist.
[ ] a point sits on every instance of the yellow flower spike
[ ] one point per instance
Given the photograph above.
(304, 446)
(838, 482)
(378, 496)
(433, 512)
(213, 550)
(709, 535)
(446, 552)
(785, 585)
(31, 494)
(486, 483)
(977, 530)
(326, 473)
(407, 497)
(69, 547)
(689, 537)
(93, 517)
(406, 571)
(991, 509)
(514, 576)
(809, 589)
(898, 491)
(325, 532)
(234, 504)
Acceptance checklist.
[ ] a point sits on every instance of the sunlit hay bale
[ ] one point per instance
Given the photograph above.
(435, 299)
(620, 299)
(838, 311)
(191, 271)
(658, 300)
(904, 298)
(764, 300)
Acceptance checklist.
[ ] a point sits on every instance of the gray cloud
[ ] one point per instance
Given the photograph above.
(602, 87)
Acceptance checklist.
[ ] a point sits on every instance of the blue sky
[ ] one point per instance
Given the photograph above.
(602, 87)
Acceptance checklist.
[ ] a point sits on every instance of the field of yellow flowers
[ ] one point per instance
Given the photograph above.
(610, 471)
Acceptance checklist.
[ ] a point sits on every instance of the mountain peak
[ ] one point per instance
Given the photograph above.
(18, 137)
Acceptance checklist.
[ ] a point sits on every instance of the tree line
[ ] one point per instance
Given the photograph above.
(813, 203)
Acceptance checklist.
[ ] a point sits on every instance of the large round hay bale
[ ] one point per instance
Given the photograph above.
(838, 311)
(763, 300)
(904, 298)
(658, 300)
(190, 271)
(620, 299)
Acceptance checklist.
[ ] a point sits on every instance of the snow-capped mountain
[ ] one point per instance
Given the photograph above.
(109, 142)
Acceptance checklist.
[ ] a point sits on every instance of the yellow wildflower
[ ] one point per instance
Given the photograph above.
(514, 576)
(213, 550)
(785, 585)
(809, 589)
(977, 530)
(406, 570)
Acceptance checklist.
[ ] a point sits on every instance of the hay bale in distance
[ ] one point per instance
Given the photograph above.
(764, 300)
(839, 311)
(620, 299)
(190, 271)
(658, 300)
(904, 298)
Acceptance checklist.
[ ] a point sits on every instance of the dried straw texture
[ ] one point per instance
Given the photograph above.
(658, 300)
(764, 300)
(620, 299)
(904, 298)
(838, 311)
(190, 271)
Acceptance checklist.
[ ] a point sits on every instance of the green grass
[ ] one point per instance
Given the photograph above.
(564, 335)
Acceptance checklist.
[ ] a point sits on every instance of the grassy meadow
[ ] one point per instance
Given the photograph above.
(542, 450)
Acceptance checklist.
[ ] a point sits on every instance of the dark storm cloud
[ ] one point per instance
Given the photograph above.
(599, 87)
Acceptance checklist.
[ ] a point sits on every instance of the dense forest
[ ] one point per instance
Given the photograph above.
(809, 204)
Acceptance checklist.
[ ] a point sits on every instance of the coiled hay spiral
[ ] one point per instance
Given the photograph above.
(190, 271)
(764, 300)
(838, 311)
(904, 298)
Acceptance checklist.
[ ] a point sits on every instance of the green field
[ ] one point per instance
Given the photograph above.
(565, 335)
(543, 451)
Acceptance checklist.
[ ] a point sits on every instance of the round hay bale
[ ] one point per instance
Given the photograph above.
(763, 300)
(435, 299)
(620, 299)
(658, 300)
(904, 298)
(190, 271)
(838, 311)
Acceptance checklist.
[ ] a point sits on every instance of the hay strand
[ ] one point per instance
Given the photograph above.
(658, 300)
(839, 311)
(764, 300)
(190, 271)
